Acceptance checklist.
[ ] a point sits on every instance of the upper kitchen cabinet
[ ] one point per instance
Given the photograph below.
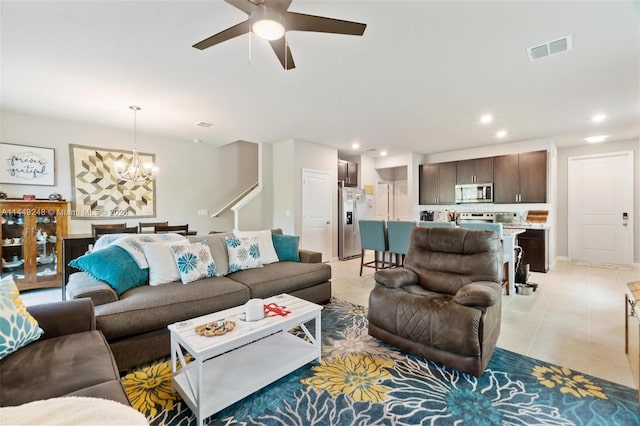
(348, 173)
(479, 170)
(437, 183)
(520, 178)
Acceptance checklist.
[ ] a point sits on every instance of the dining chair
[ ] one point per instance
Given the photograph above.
(428, 224)
(149, 227)
(105, 226)
(373, 236)
(497, 227)
(176, 229)
(398, 235)
(98, 231)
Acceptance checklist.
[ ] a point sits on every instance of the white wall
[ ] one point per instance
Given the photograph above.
(562, 185)
(258, 213)
(185, 183)
(284, 186)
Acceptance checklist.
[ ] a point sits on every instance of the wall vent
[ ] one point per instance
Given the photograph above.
(549, 48)
(204, 124)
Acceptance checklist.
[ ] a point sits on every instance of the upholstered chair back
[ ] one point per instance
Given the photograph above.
(446, 259)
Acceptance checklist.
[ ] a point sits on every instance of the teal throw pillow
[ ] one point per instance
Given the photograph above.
(286, 247)
(113, 265)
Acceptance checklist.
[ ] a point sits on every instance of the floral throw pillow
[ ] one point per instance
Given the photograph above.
(17, 327)
(244, 253)
(194, 261)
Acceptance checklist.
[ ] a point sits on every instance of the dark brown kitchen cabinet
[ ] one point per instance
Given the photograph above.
(478, 170)
(535, 249)
(437, 183)
(348, 173)
(520, 178)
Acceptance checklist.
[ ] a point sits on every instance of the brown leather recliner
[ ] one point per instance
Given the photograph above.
(445, 303)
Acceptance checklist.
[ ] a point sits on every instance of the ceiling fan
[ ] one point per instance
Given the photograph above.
(269, 19)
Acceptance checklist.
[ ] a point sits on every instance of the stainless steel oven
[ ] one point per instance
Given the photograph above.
(475, 217)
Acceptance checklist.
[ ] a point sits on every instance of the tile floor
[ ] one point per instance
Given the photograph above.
(575, 319)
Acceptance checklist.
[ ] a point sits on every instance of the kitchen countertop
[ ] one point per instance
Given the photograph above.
(526, 226)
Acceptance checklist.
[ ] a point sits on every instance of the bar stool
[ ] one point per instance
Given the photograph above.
(497, 227)
(398, 234)
(373, 236)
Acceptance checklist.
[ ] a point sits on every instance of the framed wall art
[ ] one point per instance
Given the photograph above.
(27, 165)
(96, 191)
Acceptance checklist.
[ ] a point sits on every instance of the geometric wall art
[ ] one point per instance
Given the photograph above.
(99, 194)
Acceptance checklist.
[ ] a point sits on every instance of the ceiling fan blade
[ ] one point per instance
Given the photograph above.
(302, 22)
(281, 48)
(229, 33)
(246, 6)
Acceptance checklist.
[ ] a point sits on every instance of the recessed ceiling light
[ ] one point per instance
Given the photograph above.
(596, 139)
(486, 119)
(598, 118)
(501, 133)
(383, 153)
(197, 141)
(355, 145)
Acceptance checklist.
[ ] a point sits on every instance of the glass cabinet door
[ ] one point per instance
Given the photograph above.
(13, 248)
(46, 245)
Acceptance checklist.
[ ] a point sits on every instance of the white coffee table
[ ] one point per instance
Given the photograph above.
(227, 368)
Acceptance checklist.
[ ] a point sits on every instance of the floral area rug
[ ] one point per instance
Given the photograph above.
(362, 381)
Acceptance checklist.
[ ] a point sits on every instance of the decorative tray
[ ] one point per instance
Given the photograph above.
(215, 328)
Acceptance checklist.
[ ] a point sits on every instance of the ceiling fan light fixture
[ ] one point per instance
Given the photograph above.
(267, 24)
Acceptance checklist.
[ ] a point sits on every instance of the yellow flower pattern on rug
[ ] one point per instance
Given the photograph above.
(568, 382)
(149, 388)
(356, 375)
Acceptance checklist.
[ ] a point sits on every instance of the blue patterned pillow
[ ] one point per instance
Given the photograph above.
(244, 253)
(194, 261)
(286, 247)
(17, 327)
(113, 265)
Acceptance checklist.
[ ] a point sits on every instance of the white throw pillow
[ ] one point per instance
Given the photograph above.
(265, 243)
(244, 253)
(162, 265)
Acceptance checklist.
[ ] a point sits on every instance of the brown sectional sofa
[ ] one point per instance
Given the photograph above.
(71, 358)
(135, 324)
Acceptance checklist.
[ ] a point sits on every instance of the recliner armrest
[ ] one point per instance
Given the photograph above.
(479, 293)
(61, 318)
(396, 278)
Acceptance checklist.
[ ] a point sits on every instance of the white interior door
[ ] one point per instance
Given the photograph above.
(601, 208)
(401, 200)
(384, 201)
(316, 212)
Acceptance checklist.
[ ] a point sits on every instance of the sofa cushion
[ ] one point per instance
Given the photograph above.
(218, 248)
(114, 266)
(286, 247)
(244, 253)
(149, 308)
(282, 277)
(59, 366)
(17, 327)
(194, 261)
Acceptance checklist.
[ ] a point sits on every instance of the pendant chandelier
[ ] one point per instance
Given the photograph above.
(135, 171)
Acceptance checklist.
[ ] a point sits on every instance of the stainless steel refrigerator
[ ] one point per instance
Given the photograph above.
(352, 205)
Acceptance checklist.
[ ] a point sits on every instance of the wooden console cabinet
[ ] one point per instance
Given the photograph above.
(535, 247)
(31, 247)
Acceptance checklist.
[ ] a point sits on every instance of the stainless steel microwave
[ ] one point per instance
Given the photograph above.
(474, 193)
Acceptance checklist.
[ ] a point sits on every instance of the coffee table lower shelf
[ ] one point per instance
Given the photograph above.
(234, 375)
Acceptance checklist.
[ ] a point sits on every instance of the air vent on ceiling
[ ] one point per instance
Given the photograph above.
(203, 124)
(550, 48)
